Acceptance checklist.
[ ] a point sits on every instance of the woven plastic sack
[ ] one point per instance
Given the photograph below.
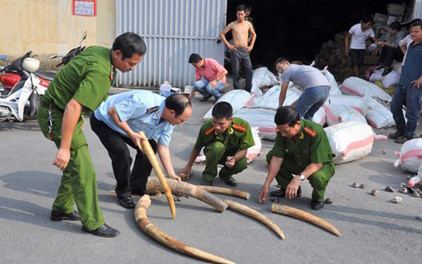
(261, 118)
(360, 87)
(262, 76)
(409, 157)
(237, 98)
(342, 113)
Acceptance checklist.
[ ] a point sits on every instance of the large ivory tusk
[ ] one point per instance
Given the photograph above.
(146, 147)
(188, 189)
(305, 216)
(157, 234)
(226, 191)
(241, 208)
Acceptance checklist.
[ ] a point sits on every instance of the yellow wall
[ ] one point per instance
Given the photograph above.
(48, 27)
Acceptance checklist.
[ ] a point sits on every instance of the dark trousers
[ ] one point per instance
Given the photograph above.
(238, 56)
(410, 97)
(116, 144)
(388, 55)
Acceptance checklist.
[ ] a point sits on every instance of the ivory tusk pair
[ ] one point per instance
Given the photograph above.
(305, 216)
(255, 215)
(146, 147)
(188, 189)
(157, 234)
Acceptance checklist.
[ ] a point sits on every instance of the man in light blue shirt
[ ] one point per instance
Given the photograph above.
(117, 122)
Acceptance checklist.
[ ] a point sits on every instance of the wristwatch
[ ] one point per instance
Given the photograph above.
(302, 177)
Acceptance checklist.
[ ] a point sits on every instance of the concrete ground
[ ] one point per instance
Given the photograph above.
(374, 229)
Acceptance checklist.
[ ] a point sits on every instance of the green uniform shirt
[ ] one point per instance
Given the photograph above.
(238, 136)
(86, 78)
(311, 145)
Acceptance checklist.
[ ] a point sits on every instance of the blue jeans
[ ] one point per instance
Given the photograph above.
(204, 88)
(410, 97)
(311, 100)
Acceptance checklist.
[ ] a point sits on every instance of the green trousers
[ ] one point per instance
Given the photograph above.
(215, 154)
(78, 184)
(319, 180)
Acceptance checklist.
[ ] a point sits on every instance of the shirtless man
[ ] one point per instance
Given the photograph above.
(240, 50)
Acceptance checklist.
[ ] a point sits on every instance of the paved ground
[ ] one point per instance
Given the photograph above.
(374, 230)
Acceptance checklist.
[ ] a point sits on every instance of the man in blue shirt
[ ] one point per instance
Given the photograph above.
(408, 91)
(117, 122)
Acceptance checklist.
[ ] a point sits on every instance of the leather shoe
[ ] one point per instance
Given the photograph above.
(315, 205)
(127, 202)
(60, 216)
(230, 181)
(395, 135)
(103, 231)
(282, 193)
(206, 183)
(401, 139)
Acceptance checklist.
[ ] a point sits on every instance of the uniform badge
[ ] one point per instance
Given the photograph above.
(301, 135)
(153, 109)
(239, 127)
(310, 131)
(209, 131)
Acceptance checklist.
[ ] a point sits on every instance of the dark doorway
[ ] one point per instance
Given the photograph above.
(298, 28)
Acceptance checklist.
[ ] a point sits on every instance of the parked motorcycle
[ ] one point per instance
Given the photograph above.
(23, 99)
(9, 76)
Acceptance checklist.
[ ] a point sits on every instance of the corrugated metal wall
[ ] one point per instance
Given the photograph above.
(417, 9)
(172, 30)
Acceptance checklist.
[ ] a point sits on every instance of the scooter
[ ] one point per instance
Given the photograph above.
(10, 77)
(23, 99)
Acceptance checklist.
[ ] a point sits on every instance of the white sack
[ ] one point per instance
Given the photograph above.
(334, 89)
(261, 118)
(391, 79)
(255, 150)
(379, 116)
(356, 102)
(376, 76)
(360, 87)
(262, 76)
(342, 113)
(350, 141)
(409, 155)
(269, 100)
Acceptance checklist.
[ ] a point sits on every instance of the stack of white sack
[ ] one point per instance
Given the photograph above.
(237, 98)
(350, 141)
(389, 80)
(409, 157)
(379, 116)
(261, 118)
(262, 77)
(360, 87)
(255, 150)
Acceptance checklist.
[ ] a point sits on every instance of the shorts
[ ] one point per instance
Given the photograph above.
(357, 56)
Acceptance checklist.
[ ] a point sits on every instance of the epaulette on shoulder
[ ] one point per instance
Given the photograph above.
(153, 109)
(310, 131)
(239, 127)
(209, 131)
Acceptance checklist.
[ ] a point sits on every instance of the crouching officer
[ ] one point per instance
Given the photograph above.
(77, 89)
(226, 140)
(301, 151)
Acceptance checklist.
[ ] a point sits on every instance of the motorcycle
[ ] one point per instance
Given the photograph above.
(9, 77)
(23, 99)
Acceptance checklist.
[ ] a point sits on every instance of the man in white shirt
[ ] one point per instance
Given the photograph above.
(355, 45)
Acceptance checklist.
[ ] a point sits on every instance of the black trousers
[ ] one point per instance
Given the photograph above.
(388, 55)
(128, 182)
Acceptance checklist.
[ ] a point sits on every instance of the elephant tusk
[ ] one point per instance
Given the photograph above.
(241, 208)
(305, 216)
(226, 191)
(188, 189)
(146, 147)
(157, 234)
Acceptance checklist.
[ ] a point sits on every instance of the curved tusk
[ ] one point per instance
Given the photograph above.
(226, 191)
(305, 216)
(157, 234)
(241, 208)
(188, 189)
(146, 147)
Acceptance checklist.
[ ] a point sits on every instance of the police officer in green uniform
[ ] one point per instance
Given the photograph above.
(78, 89)
(301, 151)
(226, 140)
